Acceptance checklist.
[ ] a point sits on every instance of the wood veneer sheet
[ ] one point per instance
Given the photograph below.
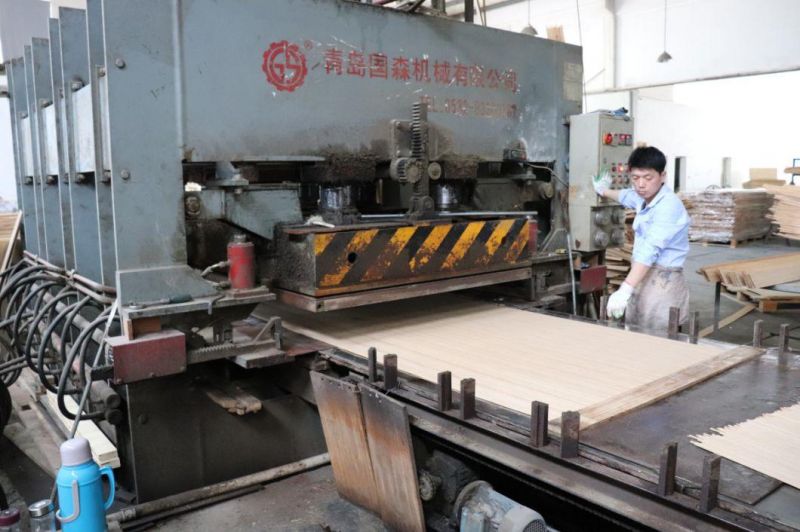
(515, 356)
(769, 444)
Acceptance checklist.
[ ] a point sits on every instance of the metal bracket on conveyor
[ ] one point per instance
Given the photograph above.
(465, 406)
(265, 349)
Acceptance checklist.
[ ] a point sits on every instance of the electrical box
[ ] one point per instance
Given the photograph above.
(598, 142)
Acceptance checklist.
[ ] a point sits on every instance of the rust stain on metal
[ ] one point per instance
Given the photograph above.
(496, 239)
(396, 244)
(393, 464)
(358, 242)
(342, 419)
(463, 244)
(519, 244)
(321, 241)
(430, 246)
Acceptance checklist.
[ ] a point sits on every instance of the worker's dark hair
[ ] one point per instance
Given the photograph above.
(648, 157)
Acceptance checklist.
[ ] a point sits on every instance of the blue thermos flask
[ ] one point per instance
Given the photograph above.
(80, 489)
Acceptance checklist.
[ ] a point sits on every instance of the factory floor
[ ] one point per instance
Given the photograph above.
(308, 501)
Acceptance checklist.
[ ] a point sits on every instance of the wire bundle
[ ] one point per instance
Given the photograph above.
(51, 319)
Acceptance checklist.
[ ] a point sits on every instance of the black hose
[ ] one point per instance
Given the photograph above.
(62, 381)
(16, 278)
(48, 333)
(34, 324)
(15, 330)
(66, 330)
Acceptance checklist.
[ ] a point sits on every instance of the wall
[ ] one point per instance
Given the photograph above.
(751, 119)
(595, 35)
(705, 38)
(623, 38)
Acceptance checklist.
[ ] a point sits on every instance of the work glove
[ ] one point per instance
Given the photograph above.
(618, 301)
(601, 182)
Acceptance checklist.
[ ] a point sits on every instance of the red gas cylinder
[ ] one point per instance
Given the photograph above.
(242, 259)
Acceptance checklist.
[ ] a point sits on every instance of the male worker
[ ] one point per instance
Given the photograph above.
(655, 282)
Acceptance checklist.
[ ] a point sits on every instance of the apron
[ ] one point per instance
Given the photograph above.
(662, 288)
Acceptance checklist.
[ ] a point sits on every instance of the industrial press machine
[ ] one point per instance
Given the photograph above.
(174, 174)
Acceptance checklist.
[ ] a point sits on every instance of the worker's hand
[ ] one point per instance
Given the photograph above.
(601, 182)
(618, 301)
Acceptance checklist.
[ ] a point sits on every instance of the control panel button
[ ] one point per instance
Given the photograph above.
(602, 218)
(601, 239)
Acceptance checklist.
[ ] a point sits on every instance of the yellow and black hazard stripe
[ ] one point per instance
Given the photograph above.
(350, 258)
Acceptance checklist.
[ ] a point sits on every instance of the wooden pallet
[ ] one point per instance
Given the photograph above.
(774, 305)
(771, 300)
(730, 243)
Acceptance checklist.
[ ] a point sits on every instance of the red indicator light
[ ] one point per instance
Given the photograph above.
(608, 139)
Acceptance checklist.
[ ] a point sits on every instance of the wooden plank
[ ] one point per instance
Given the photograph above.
(666, 386)
(767, 444)
(392, 454)
(746, 309)
(103, 451)
(754, 273)
(342, 419)
(11, 237)
(515, 356)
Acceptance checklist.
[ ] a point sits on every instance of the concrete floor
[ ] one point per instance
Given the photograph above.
(309, 501)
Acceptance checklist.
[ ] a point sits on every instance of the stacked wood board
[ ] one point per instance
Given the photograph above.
(728, 215)
(618, 260)
(754, 273)
(517, 356)
(768, 444)
(751, 278)
(9, 232)
(785, 212)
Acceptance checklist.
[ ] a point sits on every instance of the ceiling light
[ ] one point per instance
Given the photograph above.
(664, 57)
(529, 29)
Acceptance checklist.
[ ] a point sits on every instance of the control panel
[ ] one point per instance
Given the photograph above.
(598, 142)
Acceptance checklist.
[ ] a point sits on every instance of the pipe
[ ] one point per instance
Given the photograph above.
(469, 11)
(572, 274)
(187, 497)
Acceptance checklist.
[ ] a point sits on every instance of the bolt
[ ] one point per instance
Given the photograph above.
(28, 180)
(192, 204)
(51, 179)
(76, 85)
(23, 114)
(43, 102)
(119, 62)
(80, 178)
(101, 71)
(143, 419)
(125, 174)
(398, 153)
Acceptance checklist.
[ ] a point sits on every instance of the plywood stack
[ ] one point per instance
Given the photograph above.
(785, 212)
(618, 260)
(729, 215)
